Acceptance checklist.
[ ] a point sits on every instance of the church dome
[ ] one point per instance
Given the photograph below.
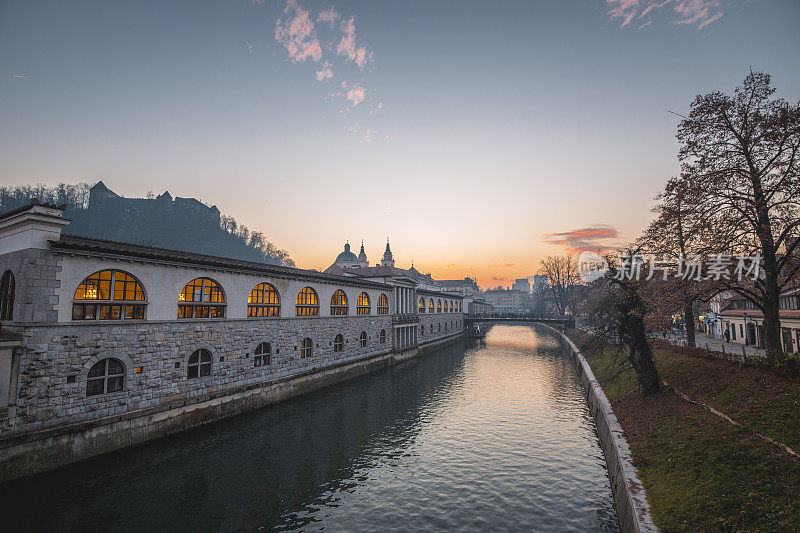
(346, 257)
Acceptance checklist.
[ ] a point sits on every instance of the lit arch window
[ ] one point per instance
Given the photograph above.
(362, 306)
(264, 300)
(362, 339)
(438, 306)
(383, 336)
(306, 348)
(451, 306)
(201, 298)
(109, 295)
(199, 364)
(339, 303)
(7, 289)
(262, 354)
(383, 305)
(105, 376)
(338, 343)
(430, 306)
(421, 305)
(307, 303)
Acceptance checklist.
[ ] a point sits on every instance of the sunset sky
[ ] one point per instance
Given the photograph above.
(478, 136)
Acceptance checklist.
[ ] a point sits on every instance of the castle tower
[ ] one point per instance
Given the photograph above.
(388, 259)
(362, 256)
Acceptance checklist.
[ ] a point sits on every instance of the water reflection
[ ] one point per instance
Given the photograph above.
(491, 436)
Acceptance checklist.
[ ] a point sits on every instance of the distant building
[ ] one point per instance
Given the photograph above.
(506, 301)
(522, 285)
(468, 289)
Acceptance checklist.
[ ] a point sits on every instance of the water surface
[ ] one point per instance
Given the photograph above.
(493, 436)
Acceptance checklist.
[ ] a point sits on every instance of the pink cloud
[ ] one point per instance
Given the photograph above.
(328, 15)
(584, 239)
(296, 33)
(698, 13)
(356, 94)
(326, 72)
(347, 46)
(368, 135)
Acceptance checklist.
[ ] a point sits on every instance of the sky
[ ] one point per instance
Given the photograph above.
(479, 137)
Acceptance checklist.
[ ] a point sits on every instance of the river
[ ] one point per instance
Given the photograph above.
(492, 436)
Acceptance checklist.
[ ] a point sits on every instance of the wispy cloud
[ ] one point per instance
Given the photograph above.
(326, 72)
(18, 76)
(376, 108)
(584, 239)
(501, 266)
(328, 15)
(355, 93)
(295, 31)
(368, 135)
(698, 13)
(646, 24)
(348, 46)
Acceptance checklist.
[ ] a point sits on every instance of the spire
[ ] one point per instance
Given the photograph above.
(362, 256)
(388, 259)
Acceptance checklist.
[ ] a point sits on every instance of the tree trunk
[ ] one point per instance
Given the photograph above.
(688, 315)
(772, 319)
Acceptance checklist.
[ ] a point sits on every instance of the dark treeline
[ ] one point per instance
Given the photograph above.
(185, 224)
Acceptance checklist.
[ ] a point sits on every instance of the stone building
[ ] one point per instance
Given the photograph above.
(105, 344)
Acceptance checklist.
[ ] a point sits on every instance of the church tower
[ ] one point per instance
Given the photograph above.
(362, 256)
(388, 260)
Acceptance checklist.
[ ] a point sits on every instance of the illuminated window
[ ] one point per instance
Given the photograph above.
(107, 375)
(262, 354)
(109, 295)
(430, 305)
(383, 305)
(264, 301)
(383, 336)
(201, 298)
(7, 289)
(199, 364)
(306, 348)
(451, 306)
(362, 306)
(339, 303)
(362, 339)
(438, 306)
(338, 343)
(307, 303)
(421, 305)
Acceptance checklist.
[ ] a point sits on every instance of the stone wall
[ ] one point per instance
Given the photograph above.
(35, 274)
(429, 325)
(57, 359)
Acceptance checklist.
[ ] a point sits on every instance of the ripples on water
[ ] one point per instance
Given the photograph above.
(495, 436)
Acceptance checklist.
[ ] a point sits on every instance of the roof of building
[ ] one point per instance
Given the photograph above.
(23, 208)
(98, 247)
(347, 256)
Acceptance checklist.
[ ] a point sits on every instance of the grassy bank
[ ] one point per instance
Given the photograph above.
(699, 471)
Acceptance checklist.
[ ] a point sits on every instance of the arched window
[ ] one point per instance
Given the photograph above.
(307, 303)
(109, 295)
(430, 305)
(338, 303)
(199, 364)
(438, 306)
(422, 329)
(362, 339)
(338, 343)
(383, 305)
(262, 354)
(421, 305)
(264, 300)
(439, 329)
(106, 375)
(363, 304)
(383, 336)
(306, 348)
(451, 306)
(7, 288)
(201, 298)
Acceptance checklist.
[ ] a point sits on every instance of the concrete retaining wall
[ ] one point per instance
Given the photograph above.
(47, 449)
(630, 500)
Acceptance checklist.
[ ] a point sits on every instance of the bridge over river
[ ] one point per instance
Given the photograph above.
(471, 320)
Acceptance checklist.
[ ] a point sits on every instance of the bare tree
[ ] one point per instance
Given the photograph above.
(562, 274)
(739, 158)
